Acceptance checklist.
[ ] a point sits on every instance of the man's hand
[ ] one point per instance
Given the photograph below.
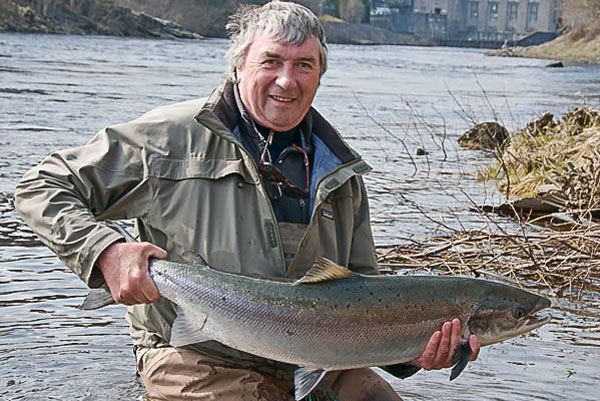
(124, 266)
(438, 351)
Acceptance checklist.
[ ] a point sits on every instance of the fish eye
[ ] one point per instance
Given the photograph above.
(519, 312)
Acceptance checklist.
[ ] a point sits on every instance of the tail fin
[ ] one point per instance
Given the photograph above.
(97, 298)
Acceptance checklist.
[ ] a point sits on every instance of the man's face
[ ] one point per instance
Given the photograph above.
(279, 81)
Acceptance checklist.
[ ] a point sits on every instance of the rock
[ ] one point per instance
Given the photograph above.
(581, 118)
(540, 126)
(558, 64)
(485, 136)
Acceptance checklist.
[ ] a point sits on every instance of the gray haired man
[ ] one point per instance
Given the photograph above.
(251, 180)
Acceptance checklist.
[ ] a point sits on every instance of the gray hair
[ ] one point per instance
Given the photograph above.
(289, 23)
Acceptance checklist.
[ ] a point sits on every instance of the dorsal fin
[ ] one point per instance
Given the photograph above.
(323, 270)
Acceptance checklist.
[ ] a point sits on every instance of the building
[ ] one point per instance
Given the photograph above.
(480, 23)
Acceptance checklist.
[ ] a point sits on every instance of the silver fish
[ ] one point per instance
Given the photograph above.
(333, 319)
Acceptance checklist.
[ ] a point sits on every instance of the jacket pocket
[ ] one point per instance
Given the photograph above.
(198, 167)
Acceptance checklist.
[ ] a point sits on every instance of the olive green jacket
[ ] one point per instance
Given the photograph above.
(193, 190)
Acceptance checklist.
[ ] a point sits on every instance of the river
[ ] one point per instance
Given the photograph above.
(56, 91)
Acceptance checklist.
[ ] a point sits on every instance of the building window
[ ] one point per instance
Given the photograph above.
(473, 9)
(512, 11)
(532, 12)
(492, 10)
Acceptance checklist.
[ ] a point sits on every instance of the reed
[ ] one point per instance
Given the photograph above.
(564, 256)
(546, 155)
(562, 262)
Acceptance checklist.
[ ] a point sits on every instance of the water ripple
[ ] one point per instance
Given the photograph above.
(56, 91)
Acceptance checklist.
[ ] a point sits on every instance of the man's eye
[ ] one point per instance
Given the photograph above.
(305, 66)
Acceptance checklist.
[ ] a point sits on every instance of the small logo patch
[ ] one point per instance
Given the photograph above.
(327, 213)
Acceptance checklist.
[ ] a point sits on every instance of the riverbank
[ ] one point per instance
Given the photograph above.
(87, 17)
(580, 43)
(145, 19)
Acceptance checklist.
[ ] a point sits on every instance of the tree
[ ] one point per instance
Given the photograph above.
(581, 10)
(354, 11)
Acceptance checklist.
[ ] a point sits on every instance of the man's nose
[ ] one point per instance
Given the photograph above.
(285, 77)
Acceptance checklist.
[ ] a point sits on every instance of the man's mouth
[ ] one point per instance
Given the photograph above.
(282, 99)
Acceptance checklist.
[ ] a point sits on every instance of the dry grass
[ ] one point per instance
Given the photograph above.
(559, 261)
(564, 154)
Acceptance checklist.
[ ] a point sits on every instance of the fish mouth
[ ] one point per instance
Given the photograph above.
(534, 319)
(532, 322)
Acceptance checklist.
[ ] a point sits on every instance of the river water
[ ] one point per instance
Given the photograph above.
(56, 91)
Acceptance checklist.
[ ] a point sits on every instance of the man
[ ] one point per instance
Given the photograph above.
(251, 180)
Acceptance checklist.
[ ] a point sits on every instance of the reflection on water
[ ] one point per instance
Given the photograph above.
(55, 91)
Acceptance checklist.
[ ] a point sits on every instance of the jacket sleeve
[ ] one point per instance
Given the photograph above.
(363, 258)
(65, 198)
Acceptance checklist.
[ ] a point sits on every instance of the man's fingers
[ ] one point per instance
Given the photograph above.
(444, 347)
(154, 251)
(147, 285)
(430, 352)
(475, 346)
(456, 337)
(148, 289)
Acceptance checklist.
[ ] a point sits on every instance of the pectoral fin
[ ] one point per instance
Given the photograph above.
(185, 332)
(306, 380)
(460, 358)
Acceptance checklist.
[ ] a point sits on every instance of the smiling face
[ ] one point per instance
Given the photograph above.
(278, 81)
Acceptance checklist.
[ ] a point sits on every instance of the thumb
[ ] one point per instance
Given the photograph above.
(154, 251)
